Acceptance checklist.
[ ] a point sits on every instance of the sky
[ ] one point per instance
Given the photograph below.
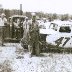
(46, 6)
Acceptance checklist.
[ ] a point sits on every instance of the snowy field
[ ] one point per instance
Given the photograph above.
(13, 58)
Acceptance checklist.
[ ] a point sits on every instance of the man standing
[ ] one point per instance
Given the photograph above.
(17, 29)
(34, 37)
(3, 18)
(3, 22)
(24, 40)
(26, 26)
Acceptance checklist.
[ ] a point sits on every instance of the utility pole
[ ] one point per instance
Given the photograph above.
(20, 9)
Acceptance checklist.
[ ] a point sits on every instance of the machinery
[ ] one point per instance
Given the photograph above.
(15, 28)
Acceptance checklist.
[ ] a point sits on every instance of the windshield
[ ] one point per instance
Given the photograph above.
(65, 29)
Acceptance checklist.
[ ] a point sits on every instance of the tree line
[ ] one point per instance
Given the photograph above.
(49, 16)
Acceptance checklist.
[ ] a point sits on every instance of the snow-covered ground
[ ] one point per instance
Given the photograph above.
(13, 58)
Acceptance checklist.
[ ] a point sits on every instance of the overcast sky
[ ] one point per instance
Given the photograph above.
(49, 6)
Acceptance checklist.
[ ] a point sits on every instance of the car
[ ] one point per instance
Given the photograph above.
(60, 34)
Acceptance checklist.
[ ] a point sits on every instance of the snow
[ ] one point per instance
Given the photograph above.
(20, 61)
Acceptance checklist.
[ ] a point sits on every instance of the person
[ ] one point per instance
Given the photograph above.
(3, 18)
(34, 37)
(17, 28)
(26, 26)
(25, 34)
(3, 22)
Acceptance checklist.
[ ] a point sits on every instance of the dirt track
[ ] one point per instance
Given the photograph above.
(13, 58)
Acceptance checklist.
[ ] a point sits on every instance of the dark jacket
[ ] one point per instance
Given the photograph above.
(34, 32)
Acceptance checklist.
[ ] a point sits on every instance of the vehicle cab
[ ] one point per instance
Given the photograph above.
(16, 25)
